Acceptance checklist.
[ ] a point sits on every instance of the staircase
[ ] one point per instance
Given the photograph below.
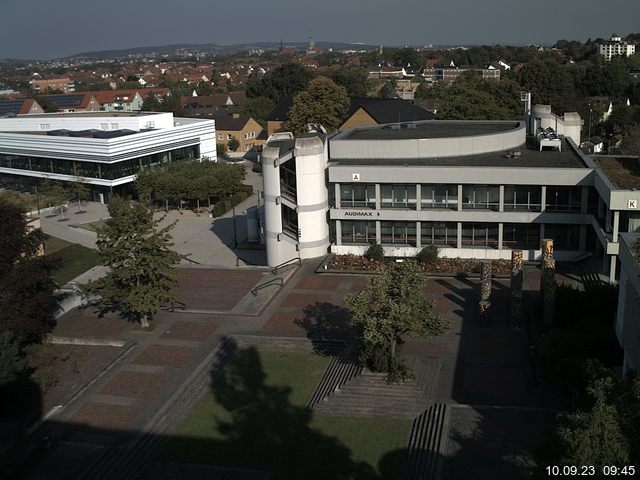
(260, 295)
(369, 395)
(589, 272)
(342, 369)
(423, 459)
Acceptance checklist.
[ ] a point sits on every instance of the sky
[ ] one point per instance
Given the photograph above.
(44, 29)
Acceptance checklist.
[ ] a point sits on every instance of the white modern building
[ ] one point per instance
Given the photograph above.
(475, 189)
(105, 150)
(615, 47)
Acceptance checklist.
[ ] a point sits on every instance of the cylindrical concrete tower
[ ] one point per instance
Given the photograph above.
(272, 205)
(313, 199)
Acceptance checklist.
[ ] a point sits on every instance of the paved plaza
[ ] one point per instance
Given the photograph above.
(471, 368)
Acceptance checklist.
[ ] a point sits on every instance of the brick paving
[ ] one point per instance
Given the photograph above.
(487, 365)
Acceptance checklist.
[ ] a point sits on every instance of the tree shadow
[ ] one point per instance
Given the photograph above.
(326, 324)
(261, 429)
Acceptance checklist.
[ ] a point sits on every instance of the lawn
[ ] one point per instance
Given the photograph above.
(74, 259)
(256, 418)
(92, 226)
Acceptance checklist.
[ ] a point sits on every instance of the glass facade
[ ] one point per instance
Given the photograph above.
(358, 232)
(565, 237)
(524, 236)
(439, 196)
(563, 199)
(443, 234)
(106, 171)
(288, 184)
(398, 233)
(480, 235)
(484, 197)
(522, 198)
(358, 195)
(398, 196)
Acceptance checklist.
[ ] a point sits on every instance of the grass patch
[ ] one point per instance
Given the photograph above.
(74, 259)
(92, 226)
(255, 417)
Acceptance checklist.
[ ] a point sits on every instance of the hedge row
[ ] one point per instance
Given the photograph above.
(223, 206)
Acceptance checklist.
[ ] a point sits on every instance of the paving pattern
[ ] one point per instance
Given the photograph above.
(154, 385)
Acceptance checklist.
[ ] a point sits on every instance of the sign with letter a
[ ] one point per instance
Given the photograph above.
(355, 177)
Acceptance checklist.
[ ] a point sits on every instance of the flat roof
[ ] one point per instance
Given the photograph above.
(89, 114)
(528, 158)
(430, 129)
(623, 172)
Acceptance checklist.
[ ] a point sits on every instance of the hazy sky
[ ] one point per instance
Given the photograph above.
(47, 29)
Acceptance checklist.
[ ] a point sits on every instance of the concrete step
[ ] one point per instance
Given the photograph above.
(423, 459)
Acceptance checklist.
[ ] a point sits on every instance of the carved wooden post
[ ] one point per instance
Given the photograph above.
(517, 281)
(548, 282)
(484, 307)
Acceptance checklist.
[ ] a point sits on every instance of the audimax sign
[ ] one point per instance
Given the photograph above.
(361, 213)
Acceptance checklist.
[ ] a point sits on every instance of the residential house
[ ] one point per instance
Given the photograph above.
(19, 106)
(64, 84)
(118, 100)
(212, 105)
(74, 102)
(244, 128)
(376, 111)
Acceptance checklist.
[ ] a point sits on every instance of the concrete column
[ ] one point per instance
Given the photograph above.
(541, 232)
(338, 232)
(459, 201)
(501, 204)
(378, 232)
(543, 200)
(337, 195)
(612, 269)
(459, 234)
(616, 225)
(418, 235)
(500, 233)
(582, 240)
(584, 200)
(378, 189)
(418, 196)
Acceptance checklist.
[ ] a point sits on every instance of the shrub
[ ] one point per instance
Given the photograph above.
(428, 254)
(247, 188)
(238, 197)
(257, 167)
(375, 252)
(375, 357)
(221, 207)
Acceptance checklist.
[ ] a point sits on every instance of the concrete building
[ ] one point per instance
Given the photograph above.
(64, 84)
(628, 315)
(615, 47)
(474, 189)
(106, 150)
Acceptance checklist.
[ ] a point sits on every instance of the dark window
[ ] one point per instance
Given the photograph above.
(521, 236)
(443, 234)
(358, 232)
(485, 197)
(522, 198)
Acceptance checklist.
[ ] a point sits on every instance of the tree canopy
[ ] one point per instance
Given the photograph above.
(285, 80)
(355, 79)
(140, 260)
(27, 304)
(323, 102)
(393, 305)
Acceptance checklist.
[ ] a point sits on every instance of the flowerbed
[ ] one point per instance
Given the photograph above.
(441, 265)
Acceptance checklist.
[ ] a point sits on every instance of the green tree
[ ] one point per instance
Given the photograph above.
(388, 90)
(11, 362)
(27, 304)
(594, 437)
(80, 191)
(151, 104)
(355, 79)
(549, 84)
(322, 102)
(392, 305)
(258, 108)
(233, 144)
(141, 263)
(631, 142)
(287, 79)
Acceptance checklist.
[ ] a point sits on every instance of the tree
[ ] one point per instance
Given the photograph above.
(355, 79)
(388, 90)
(549, 83)
(322, 102)
(27, 304)
(288, 79)
(392, 305)
(11, 362)
(631, 142)
(141, 263)
(151, 104)
(81, 191)
(233, 144)
(594, 437)
(258, 108)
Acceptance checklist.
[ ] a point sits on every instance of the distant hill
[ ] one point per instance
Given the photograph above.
(212, 48)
